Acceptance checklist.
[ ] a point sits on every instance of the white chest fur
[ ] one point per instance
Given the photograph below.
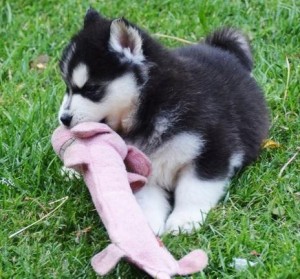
(171, 157)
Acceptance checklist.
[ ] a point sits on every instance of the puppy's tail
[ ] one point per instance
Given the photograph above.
(233, 41)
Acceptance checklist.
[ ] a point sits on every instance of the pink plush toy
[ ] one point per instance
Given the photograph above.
(99, 154)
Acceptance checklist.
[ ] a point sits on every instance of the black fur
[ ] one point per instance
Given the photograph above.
(230, 40)
(207, 86)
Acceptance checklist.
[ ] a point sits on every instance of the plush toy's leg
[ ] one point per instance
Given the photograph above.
(107, 259)
(193, 262)
(157, 274)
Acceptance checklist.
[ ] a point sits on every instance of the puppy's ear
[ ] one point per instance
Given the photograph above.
(126, 41)
(91, 16)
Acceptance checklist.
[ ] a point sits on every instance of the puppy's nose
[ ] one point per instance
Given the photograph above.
(66, 119)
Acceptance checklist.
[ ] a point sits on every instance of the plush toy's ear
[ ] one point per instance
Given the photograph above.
(75, 157)
(91, 17)
(106, 260)
(137, 162)
(136, 181)
(126, 41)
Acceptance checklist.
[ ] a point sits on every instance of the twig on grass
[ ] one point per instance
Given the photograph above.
(174, 38)
(287, 163)
(62, 199)
(44, 217)
(287, 78)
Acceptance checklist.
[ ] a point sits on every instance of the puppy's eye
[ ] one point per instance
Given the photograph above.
(94, 92)
(91, 88)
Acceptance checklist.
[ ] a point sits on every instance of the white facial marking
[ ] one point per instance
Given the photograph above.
(120, 100)
(170, 158)
(117, 105)
(80, 75)
(63, 105)
(82, 109)
(193, 200)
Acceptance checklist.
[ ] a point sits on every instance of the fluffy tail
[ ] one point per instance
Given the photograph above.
(233, 41)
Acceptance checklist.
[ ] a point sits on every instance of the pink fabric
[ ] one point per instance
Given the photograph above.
(100, 155)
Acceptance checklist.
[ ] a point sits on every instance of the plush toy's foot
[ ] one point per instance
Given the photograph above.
(157, 274)
(163, 276)
(193, 262)
(107, 259)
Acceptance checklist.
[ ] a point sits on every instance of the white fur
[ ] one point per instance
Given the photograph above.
(118, 102)
(82, 109)
(119, 33)
(80, 75)
(236, 161)
(194, 198)
(154, 203)
(162, 125)
(170, 158)
(167, 162)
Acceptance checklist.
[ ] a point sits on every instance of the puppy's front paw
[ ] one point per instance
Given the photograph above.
(157, 224)
(156, 218)
(155, 206)
(69, 174)
(184, 221)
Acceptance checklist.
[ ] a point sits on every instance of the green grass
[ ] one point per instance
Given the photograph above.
(247, 220)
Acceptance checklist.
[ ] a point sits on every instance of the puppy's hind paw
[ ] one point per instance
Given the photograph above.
(184, 222)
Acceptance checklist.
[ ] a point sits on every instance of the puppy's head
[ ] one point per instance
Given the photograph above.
(104, 69)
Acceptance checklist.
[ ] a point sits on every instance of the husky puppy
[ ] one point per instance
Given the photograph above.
(196, 111)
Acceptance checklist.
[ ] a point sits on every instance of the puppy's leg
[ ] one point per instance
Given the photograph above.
(193, 200)
(154, 202)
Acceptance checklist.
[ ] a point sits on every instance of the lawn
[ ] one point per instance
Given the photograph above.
(259, 219)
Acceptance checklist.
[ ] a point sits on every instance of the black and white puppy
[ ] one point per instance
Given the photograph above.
(195, 111)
